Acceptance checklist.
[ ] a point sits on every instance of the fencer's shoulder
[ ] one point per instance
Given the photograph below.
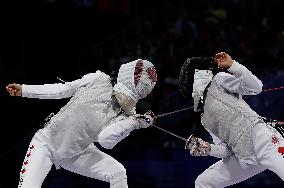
(101, 74)
(221, 75)
(97, 75)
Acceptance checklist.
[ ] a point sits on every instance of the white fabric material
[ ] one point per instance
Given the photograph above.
(201, 79)
(219, 149)
(226, 172)
(118, 130)
(59, 90)
(231, 170)
(126, 78)
(67, 139)
(92, 163)
(36, 165)
(81, 120)
(96, 164)
(242, 82)
(266, 140)
(115, 132)
(267, 144)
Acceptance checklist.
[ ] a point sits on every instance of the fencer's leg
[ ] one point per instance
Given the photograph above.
(36, 164)
(97, 164)
(269, 146)
(226, 172)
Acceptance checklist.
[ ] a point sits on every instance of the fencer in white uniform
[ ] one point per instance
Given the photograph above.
(96, 112)
(244, 142)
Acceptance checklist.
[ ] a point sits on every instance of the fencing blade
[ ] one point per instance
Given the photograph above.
(168, 132)
(173, 112)
(60, 80)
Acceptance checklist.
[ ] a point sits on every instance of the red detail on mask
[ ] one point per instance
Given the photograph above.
(26, 162)
(29, 154)
(138, 71)
(151, 71)
(281, 150)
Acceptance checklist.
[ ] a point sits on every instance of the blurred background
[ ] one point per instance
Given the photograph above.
(44, 39)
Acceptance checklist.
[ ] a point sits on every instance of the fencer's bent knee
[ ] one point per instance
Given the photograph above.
(118, 175)
(203, 182)
(200, 182)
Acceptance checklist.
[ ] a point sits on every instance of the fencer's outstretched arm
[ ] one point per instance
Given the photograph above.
(241, 81)
(58, 90)
(199, 147)
(120, 129)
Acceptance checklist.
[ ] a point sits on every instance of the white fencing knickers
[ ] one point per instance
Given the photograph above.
(268, 146)
(92, 163)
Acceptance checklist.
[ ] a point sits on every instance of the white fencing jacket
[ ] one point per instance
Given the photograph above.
(227, 117)
(91, 115)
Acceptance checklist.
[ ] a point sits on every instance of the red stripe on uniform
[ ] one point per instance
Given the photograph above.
(281, 150)
(23, 171)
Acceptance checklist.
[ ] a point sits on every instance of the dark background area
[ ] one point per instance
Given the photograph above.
(44, 39)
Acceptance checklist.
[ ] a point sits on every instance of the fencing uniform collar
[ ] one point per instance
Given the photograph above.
(201, 80)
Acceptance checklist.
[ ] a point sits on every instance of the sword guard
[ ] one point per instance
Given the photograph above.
(190, 140)
(152, 115)
(149, 117)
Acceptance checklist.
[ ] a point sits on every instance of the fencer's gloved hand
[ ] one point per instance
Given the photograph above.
(14, 89)
(197, 146)
(145, 120)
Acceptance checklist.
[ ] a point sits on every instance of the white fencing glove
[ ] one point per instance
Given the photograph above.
(197, 146)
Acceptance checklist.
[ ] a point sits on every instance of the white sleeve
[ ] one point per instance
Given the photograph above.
(219, 149)
(242, 81)
(58, 90)
(116, 131)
